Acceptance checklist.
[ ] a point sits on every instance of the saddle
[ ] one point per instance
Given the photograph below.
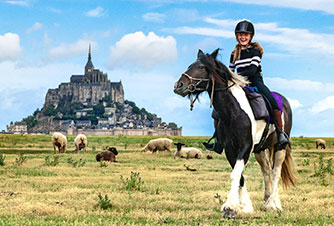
(257, 103)
(261, 107)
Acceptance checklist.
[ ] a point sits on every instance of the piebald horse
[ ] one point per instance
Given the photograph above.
(239, 131)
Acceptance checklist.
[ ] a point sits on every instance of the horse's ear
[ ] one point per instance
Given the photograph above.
(200, 53)
(215, 53)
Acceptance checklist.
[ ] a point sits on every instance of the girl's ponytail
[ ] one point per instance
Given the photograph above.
(236, 53)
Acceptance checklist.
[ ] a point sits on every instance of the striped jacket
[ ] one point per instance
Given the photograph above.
(249, 63)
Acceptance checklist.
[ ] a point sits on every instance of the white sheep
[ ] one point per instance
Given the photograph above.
(159, 144)
(189, 152)
(60, 141)
(321, 143)
(80, 142)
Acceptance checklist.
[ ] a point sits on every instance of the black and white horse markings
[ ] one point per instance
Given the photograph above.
(239, 132)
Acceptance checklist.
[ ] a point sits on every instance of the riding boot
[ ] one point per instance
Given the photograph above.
(282, 137)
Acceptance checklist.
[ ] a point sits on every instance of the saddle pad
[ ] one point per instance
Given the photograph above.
(277, 97)
(279, 101)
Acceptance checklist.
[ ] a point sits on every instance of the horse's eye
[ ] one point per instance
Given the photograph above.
(201, 67)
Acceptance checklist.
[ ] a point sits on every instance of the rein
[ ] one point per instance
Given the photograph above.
(193, 87)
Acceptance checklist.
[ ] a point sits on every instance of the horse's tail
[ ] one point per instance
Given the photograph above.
(287, 176)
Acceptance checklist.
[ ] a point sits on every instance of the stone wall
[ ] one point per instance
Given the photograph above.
(127, 132)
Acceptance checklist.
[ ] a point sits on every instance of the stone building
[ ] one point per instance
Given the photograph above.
(17, 128)
(87, 89)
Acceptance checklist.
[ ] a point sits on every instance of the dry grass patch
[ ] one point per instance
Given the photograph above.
(38, 194)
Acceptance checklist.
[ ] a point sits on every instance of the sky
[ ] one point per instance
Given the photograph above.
(147, 44)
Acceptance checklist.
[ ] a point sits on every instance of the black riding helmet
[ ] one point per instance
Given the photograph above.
(245, 26)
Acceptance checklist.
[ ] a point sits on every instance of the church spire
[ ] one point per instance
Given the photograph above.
(89, 53)
(89, 66)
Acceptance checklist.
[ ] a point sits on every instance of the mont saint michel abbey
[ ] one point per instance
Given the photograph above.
(93, 105)
(88, 89)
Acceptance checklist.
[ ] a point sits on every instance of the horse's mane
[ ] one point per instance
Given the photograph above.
(239, 79)
(220, 72)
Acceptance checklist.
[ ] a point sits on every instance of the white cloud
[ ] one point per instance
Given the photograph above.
(319, 5)
(294, 103)
(299, 85)
(37, 26)
(6, 100)
(291, 40)
(31, 78)
(71, 49)
(143, 51)
(322, 105)
(47, 40)
(154, 17)
(98, 12)
(16, 2)
(54, 10)
(10, 47)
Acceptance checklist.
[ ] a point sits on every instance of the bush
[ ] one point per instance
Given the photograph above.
(21, 159)
(104, 202)
(134, 183)
(76, 163)
(2, 159)
(53, 162)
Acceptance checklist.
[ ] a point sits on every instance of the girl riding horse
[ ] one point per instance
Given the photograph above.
(246, 60)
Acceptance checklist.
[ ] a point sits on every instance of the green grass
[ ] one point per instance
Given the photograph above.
(36, 193)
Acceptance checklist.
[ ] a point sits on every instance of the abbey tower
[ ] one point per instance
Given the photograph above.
(87, 89)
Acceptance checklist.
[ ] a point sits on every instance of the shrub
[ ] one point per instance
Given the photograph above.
(134, 183)
(103, 163)
(2, 159)
(320, 169)
(76, 163)
(54, 162)
(21, 159)
(104, 202)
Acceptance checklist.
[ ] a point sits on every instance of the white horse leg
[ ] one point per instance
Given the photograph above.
(274, 202)
(266, 172)
(233, 202)
(245, 202)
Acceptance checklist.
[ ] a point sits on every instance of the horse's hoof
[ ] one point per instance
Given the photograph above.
(229, 213)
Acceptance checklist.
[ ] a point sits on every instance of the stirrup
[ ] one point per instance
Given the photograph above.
(215, 146)
(207, 144)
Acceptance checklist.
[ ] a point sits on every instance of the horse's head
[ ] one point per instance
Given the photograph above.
(200, 75)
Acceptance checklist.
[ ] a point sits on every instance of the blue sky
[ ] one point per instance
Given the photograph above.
(147, 44)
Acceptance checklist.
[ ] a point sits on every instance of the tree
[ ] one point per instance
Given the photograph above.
(98, 109)
(49, 111)
(31, 121)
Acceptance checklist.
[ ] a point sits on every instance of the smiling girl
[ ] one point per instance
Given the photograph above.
(246, 61)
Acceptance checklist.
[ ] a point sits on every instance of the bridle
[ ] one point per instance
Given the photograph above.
(194, 87)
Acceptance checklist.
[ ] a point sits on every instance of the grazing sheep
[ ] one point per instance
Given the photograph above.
(80, 142)
(109, 155)
(159, 144)
(60, 141)
(321, 143)
(187, 152)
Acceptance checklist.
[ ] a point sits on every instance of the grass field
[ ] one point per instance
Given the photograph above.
(38, 188)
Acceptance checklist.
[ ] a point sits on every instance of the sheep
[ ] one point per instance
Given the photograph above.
(59, 140)
(80, 142)
(109, 155)
(190, 152)
(158, 144)
(321, 143)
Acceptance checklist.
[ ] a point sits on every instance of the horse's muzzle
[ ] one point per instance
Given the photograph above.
(179, 89)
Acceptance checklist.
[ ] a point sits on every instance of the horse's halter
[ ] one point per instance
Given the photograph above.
(194, 87)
